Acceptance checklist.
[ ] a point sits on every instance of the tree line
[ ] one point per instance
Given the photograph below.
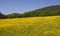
(17, 15)
(28, 14)
(47, 11)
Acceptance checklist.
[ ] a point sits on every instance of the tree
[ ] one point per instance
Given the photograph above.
(14, 15)
(1, 16)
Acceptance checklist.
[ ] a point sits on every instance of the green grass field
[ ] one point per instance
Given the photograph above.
(33, 26)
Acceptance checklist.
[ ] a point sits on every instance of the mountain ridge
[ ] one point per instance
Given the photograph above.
(49, 10)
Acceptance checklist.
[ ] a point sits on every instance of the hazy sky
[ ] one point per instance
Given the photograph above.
(20, 6)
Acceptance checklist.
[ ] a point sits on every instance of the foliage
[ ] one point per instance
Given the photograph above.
(2, 16)
(13, 15)
(46, 11)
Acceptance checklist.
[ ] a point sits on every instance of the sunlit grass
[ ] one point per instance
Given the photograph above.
(33, 26)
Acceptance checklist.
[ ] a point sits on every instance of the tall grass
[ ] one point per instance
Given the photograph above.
(36, 26)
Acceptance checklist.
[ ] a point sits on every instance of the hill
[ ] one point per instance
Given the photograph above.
(46, 11)
(34, 26)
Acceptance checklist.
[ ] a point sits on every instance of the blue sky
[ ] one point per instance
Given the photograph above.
(20, 6)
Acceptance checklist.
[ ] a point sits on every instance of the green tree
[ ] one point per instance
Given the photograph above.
(1, 16)
(14, 15)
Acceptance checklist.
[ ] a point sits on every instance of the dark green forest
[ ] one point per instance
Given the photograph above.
(46, 11)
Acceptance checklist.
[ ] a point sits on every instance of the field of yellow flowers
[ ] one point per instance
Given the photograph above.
(33, 26)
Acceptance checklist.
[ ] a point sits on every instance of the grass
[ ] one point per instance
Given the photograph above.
(36, 26)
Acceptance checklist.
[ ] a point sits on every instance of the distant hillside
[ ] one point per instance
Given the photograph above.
(47, 11)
